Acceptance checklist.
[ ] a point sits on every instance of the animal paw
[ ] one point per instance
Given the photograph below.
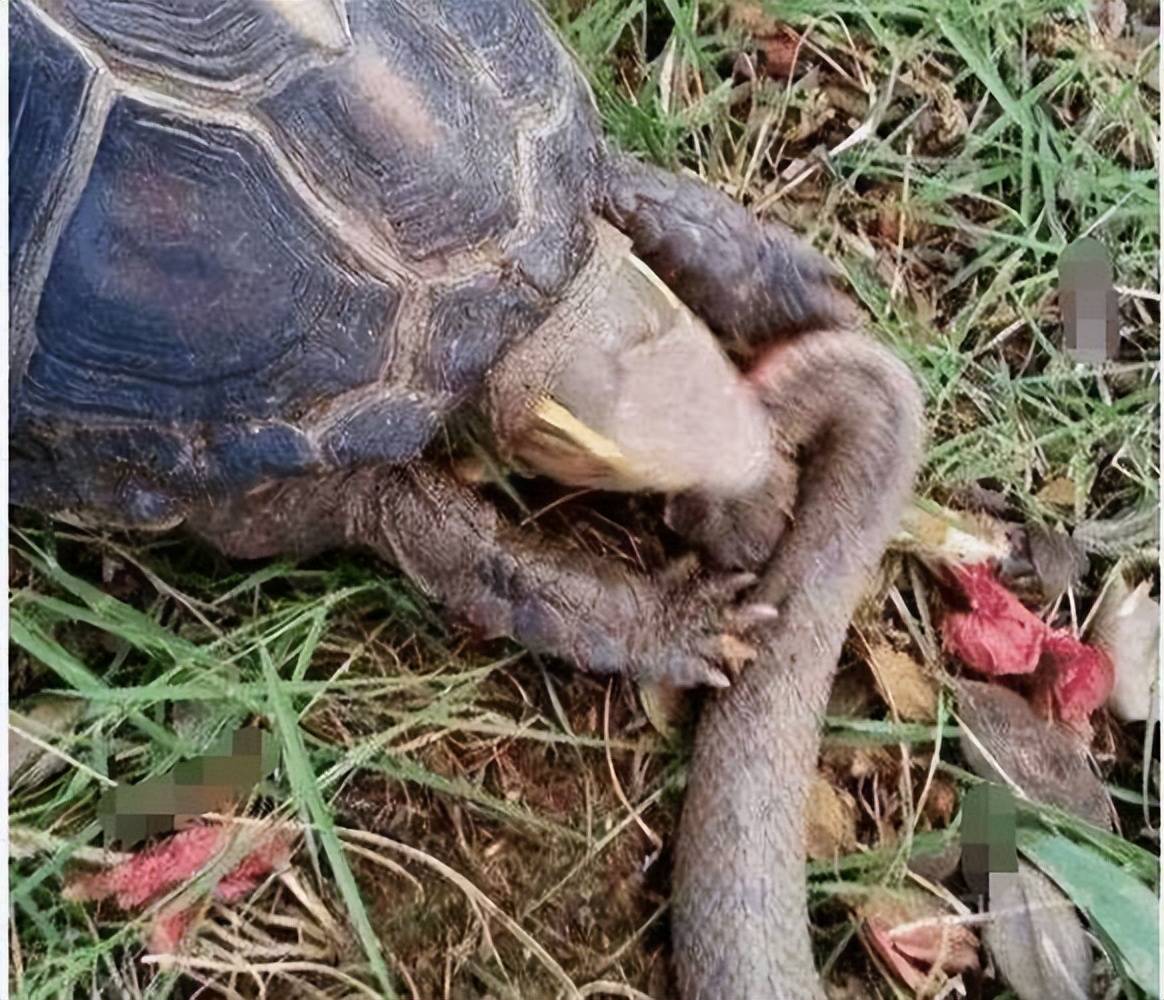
(701, 635)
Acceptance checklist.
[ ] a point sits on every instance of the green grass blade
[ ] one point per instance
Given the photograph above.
(307, 792)
(80, 677)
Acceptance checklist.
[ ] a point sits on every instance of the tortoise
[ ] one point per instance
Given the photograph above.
(264, 252)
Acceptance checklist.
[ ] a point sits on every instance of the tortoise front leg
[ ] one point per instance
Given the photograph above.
(750, 280)
(503, 580)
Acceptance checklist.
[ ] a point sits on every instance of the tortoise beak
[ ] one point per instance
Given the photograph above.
(666, 414)
(560, 445)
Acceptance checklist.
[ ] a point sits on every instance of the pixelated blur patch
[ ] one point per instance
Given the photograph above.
(238, 760)
(1088, 303)
(989, 843)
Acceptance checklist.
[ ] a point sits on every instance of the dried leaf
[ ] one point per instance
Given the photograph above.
(998, 635)
(1127, 627)
(849, 99)
(917, 939)
(1048, 762)
(948, 537)
(896, 221)
(860, 762)
(779, 51)
(831, 821)
(750, 16)
(941, 801)
(815, 112)
(777, 43)
(1036, 937)
(1059, 491)
(665, 706)
(944, 122)
(904, 684)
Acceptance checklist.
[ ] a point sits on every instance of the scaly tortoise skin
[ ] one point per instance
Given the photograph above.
(263, 251)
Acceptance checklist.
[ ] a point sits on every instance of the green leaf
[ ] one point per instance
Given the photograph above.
(1121, 908)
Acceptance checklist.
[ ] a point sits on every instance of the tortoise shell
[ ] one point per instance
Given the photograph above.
(254, 239)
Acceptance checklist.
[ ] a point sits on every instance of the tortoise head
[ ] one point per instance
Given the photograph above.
(626, 389)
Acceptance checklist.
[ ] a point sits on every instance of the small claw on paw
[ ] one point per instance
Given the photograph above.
(736, 653)
(741, 581)
(717, 679)
(693, 675)
(751, 616)
(728, 588)
(759, 613)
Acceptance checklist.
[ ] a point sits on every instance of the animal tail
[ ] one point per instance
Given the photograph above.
(852, 413)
